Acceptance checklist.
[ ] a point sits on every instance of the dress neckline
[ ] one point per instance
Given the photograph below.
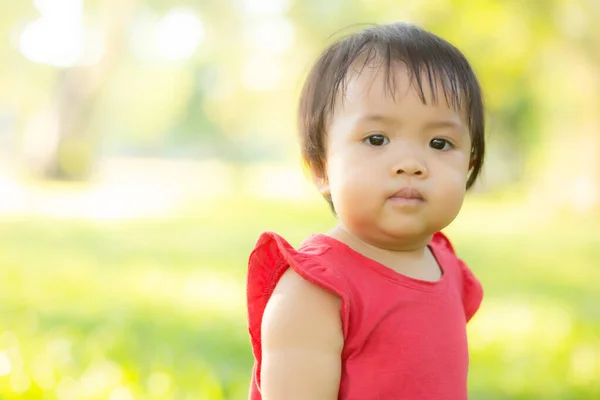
(385, 271)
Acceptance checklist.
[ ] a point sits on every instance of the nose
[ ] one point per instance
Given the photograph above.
(410, 166)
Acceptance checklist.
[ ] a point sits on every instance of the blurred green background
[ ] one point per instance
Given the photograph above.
(144, 145)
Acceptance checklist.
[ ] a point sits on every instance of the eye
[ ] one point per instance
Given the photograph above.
(440, 144)
(377, 140)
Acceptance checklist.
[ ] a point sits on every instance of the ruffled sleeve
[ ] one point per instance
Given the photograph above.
(472, 291)
(470, 287)
(268, 261)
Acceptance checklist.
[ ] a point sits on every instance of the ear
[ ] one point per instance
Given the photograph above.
(320, 181)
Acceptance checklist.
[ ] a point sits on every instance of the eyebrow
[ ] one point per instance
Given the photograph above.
(441, 124)
(445, 124)
(377, 118)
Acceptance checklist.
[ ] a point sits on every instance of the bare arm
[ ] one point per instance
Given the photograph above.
(301, 342)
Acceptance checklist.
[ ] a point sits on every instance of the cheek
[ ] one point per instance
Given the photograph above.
(451, 193)
(454, 185)
(450, 179)
(456, 166)
(351, 172)
(352, 183)
(462, 160)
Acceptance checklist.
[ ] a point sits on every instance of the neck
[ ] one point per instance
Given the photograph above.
(386, 254)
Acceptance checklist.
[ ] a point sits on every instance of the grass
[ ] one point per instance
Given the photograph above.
(154, 308)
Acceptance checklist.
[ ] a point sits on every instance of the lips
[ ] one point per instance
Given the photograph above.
(408, 193)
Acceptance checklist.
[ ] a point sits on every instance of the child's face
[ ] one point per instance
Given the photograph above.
(378, 146)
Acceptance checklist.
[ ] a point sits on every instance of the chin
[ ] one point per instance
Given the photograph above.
(407, 233)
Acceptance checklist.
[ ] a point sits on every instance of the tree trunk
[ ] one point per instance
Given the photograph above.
(62, 143)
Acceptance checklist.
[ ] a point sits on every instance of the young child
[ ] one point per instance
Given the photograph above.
(392, 128)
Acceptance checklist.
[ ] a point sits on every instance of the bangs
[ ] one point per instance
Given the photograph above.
(432, 68)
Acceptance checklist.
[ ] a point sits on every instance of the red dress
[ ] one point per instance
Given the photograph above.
(403, 338)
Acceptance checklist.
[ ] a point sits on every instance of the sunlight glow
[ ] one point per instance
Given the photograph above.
(57, 37)
(5, 365)
(272, 35)
(178, 34)
(99, 377)
(585, 195)
(262, 7)
(121, 393)
(262, 73)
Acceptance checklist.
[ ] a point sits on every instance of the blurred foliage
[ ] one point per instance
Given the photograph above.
(154, 308)
(235, 96)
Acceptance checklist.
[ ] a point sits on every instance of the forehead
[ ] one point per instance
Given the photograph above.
(377, 89)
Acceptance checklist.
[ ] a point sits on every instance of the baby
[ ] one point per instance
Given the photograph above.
(392, 130)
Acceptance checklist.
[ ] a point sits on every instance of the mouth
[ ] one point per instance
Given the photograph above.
(408, 195)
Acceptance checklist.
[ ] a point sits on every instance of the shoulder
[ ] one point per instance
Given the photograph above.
(284, 282)
(273, 255)
(302, 341)
(300, 313)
